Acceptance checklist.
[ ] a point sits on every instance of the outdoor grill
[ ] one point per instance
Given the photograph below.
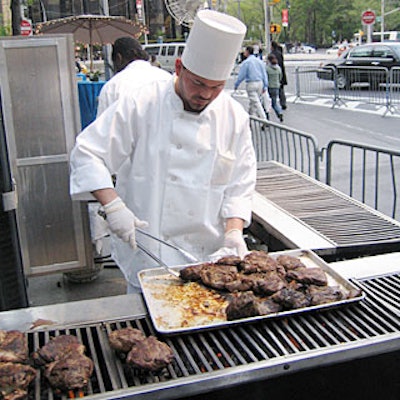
(303, 212)
(211, 360)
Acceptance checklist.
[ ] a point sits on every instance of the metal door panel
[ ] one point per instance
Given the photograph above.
(42, 120)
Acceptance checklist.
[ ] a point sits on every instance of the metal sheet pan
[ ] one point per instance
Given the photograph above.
(176, 306)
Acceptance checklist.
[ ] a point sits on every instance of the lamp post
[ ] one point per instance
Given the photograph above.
(267, 25)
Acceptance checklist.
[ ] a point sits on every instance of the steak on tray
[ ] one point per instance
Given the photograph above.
(261, 284)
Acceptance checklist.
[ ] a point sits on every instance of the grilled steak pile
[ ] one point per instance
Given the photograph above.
(260, 284)
(145, 353)
(66, 365)
(15, 375)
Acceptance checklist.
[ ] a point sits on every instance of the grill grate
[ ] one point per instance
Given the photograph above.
(199, 355)
(331, 213)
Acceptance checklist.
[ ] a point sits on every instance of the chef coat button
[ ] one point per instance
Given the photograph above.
(179, 146)
(166, 237)
(199, 151)
(191, 213)
(173, 178)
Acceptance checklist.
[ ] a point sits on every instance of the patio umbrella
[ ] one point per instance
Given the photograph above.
(93, 29)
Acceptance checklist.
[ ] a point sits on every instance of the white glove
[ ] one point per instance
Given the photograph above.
(122, 221)
(234, 245)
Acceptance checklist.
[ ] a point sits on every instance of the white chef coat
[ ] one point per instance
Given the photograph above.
(188, 172)
(135, 74)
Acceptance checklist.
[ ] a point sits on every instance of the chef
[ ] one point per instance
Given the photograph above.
(192, 165)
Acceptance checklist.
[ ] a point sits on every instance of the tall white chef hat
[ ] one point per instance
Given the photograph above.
(213, 45)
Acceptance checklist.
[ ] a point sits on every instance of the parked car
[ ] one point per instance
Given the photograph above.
(337, 49)
(372, 59)
(302, 48)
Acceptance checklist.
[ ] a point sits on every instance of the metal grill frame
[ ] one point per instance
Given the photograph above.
(352, 227)
(216, 359)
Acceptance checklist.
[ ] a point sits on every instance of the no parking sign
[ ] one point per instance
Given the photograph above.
(26, 27)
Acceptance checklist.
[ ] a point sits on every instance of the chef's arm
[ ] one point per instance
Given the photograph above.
(234, 223)
(105, 196)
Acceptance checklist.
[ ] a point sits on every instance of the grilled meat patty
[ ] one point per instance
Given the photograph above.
(150, 354)
(15, 379)
(124, 339)
(70, 373)
(13, 346)
(57, 348)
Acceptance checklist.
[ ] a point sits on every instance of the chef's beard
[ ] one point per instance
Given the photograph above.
(193, 107)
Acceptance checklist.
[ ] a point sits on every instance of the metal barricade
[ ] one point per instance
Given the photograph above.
(367, 173)
(309, 85)
(394, 94)
(364, 84)
(294, 148)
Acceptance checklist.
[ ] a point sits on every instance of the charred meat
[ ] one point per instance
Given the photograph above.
(70, 373)
(247, 304)
(289, 262)
(58, 348)
(291, 298)
(217, 276)
(243, 305)
(150, 354)
(13, 346)
(324, 294)
(267, 283)
(14, 380)
(311, 276)
(258, 261)
(192, 273)
(124, 339)
(230, 260)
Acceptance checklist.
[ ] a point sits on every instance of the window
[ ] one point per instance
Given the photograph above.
(361, 52)
(171, 50)
(152, 50)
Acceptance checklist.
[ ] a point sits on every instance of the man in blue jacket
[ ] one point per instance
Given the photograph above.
(253, 72)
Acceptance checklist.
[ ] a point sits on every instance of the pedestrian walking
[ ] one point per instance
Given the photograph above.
(252, 71)
(189, 163)
(277, 51)
(274, 81)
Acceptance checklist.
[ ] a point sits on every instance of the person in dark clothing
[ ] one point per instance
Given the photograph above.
(277, 51)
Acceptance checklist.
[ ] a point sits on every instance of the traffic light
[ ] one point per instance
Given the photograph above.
(274, 28)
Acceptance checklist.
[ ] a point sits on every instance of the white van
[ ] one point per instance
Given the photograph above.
(166, 53)
(389, 36)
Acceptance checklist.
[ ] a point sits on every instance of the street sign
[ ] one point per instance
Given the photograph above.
(368, 17)
(26, 27)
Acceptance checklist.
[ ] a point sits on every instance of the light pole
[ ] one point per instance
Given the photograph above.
(267, 25)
